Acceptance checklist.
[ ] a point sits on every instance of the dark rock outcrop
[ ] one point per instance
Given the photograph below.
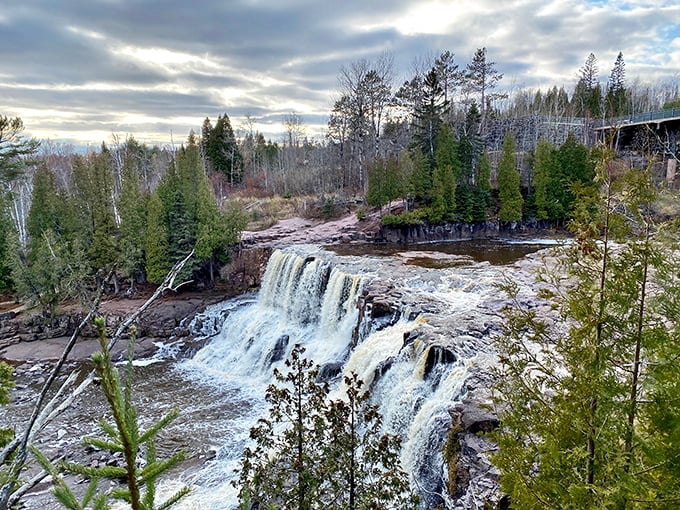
(415, 234)
(279, 350)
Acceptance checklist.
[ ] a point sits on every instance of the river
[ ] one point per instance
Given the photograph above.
(448, 303)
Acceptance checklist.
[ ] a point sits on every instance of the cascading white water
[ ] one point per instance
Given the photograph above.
(305, 300)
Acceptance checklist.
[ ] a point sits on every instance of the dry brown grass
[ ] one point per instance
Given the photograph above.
(263, 212)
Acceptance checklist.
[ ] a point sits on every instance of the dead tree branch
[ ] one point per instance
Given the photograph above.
(41, 415)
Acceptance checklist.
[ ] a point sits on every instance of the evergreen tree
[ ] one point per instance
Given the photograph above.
(481, 194)
(14, 149)
(546, 181)
(511, 200)
(6, 282)
(123, 435)
(429, 116)
(588, 93)
(575, 432)
(43, 215)
(443, 194)
(132, 211)
(94, 222)
(481, 78)
(364, 462)
(290, 478)
(156, 246)
(449, 75)
(384, 182)
(616, 99)
(52, 267)
(419, 183)
(574, 169)
(221, 149)
(484, 173)
(217, 230)
(6, 384)
(104, 248)
(316, 453)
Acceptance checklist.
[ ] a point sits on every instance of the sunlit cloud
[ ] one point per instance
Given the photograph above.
(90, 34)
(93, 67)
(424, 18)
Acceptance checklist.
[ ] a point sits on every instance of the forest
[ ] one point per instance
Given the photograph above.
(447, 143)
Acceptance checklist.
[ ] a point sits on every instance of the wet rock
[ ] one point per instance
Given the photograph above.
(474, 418)
(330, 371)
(279, 351)
(382, 368)
(7, 315)
(381, 308)
(476, 479)
(437, 355)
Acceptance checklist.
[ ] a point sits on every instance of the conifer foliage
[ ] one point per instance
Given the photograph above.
(123, 435)
(588, 399)
(509, 182)
(312, 452)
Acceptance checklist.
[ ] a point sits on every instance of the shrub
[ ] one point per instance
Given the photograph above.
(405, 219)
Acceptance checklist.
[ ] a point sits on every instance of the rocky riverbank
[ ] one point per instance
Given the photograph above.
(28, 336)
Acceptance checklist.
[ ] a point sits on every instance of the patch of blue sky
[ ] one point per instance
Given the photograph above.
(629, 5)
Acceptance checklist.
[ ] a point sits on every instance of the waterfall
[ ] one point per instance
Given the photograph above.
(303, 300)
(307, 299)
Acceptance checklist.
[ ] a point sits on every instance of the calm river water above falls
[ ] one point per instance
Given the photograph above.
(309, 296)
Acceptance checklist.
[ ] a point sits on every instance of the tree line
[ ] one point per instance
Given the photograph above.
(433, 141)
(89, 222)
(456, 184)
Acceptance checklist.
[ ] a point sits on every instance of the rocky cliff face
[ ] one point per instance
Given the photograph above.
(453, 231)
(456, 316)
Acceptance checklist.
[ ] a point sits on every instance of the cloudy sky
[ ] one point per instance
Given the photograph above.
(77, 71)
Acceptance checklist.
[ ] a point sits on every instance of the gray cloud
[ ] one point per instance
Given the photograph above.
(160, 66)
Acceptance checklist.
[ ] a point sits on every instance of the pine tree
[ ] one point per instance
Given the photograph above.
(290, 478)
(481, 194)
(616, 99)
(419, 183)
(52, 266)
(588, 93)
(316, 453)
(217, 230)
(132, 211)
(364, 462)
(546, 181)
(15, 148)
(575, 169)
(429, 116)
(449, 75)
(481, 78)
(221, 149)
(93, 221)
(511, 200)
(123, 435)
(156, 245)
(443, 193)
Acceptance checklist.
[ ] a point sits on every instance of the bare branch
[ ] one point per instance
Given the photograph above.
(41, 416)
